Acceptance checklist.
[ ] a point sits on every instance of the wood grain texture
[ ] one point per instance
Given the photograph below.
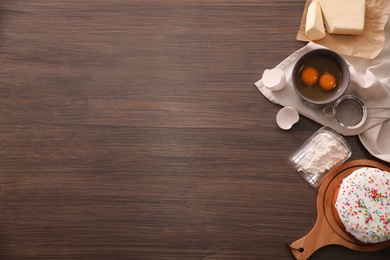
(133, 130)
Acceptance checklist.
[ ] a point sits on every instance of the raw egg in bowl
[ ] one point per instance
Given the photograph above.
(320, 76)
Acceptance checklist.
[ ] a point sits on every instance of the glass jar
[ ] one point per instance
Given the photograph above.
(323, 151)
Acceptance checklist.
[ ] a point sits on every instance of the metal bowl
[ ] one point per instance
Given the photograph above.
(324, 61)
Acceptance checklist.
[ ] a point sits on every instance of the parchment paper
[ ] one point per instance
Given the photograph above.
(368, 44)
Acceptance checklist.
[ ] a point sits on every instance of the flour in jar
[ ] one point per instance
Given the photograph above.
(322, 153)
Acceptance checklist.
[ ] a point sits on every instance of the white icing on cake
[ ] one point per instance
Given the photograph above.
(363, 204)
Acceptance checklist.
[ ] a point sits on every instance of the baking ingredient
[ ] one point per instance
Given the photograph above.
(274, 79)
(343, 17)
(314, 29)
(322, 64)
(327, 81)
(322, 153)
(309, 75)
(363, 204)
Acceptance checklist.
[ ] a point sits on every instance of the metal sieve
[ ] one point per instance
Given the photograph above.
(349, 111)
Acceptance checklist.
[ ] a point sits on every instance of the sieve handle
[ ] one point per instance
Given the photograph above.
(382, 109)
(328, 111)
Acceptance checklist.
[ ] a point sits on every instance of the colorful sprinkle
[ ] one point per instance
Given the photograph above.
(363, 204)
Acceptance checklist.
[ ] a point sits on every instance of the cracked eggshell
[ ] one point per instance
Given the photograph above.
(287, 117)
(274, 79)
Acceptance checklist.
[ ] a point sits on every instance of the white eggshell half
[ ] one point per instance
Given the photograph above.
(274, 79)
(287, 117)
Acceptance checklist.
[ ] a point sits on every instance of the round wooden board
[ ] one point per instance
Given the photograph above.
(326, 231)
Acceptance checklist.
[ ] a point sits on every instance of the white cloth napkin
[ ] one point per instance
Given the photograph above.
(370, 81)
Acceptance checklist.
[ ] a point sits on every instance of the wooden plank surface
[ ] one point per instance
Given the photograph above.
(133, 130)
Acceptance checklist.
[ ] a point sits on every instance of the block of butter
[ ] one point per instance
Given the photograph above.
(314, 29)
(343, 16)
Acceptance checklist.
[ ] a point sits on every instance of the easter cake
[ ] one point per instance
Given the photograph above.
(362, 205)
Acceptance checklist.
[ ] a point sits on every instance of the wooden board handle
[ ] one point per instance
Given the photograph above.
(303, 248)
(321, 235)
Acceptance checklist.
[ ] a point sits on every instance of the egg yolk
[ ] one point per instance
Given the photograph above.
(309, 76)
(327, 81)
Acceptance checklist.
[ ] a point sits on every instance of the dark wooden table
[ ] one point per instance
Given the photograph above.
(133, 130)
